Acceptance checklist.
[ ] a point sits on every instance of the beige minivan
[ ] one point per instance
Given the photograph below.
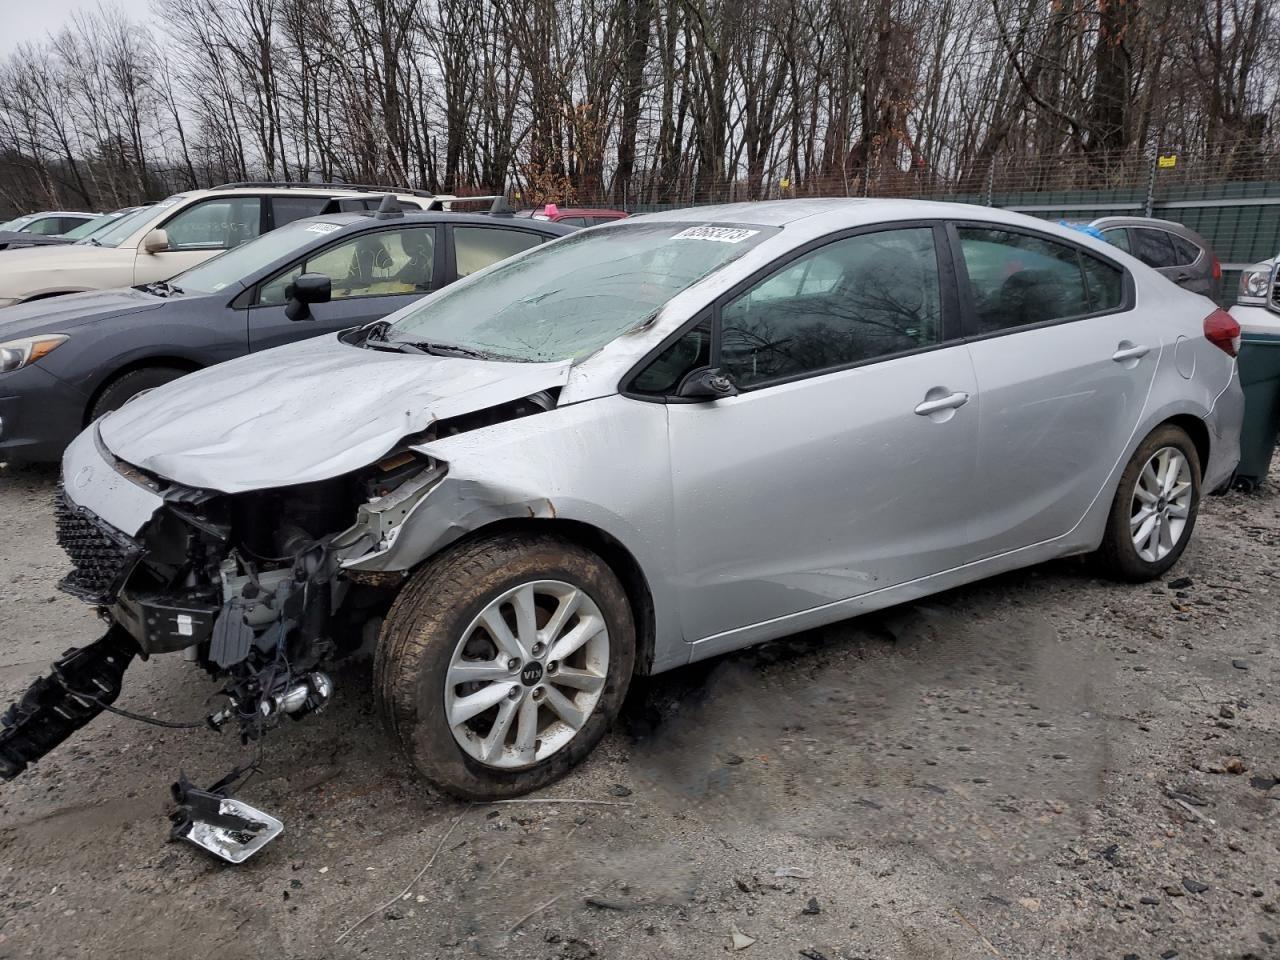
(161, 240)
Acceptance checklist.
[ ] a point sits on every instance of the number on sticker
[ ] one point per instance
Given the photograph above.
(718, 234)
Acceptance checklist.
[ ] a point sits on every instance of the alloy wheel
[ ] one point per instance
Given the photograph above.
(526, 674)
(1162, 500)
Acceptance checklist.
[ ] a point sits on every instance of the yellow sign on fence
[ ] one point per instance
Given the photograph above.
(1168, 160)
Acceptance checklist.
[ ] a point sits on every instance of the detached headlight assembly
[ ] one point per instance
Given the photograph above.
(1254, 282)
(16, 354)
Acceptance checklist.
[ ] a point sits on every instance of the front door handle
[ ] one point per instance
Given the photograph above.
(950, 402)
(1130, 353)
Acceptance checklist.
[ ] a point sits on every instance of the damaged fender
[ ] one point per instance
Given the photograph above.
(567, 464)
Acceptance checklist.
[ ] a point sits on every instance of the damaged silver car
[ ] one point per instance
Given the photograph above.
(633, 448)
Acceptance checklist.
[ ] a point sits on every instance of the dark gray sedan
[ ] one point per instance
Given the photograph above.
(65, 362)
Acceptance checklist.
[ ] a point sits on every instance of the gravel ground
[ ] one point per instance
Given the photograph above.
(1042, 765)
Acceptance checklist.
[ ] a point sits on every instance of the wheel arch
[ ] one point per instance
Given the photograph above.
(1195, 428)
(612, 551)
(185, 364)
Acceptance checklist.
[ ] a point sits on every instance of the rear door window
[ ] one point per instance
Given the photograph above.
(474, 248)
(1153, 247)
(288, 209)
(1017, 279)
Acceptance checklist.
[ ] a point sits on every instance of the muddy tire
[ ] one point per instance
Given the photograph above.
(1155, 508)
(124, 388)
(484, 712)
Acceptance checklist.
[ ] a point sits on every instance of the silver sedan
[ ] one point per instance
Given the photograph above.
(646, 444)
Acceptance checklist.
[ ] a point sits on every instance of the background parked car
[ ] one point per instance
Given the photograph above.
(73, 359)
(574, 216)
(34, 226)
(18, 241)
(163, 239)
(1258, 296)
(1179, 253)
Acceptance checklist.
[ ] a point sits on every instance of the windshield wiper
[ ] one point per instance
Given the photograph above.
(446, 350)
(162, 288)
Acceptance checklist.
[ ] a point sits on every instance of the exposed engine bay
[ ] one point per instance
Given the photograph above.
(252, 587)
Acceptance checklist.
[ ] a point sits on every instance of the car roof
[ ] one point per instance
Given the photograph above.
(831, 213)
(1135, 221)
(356, 220)
(587, 211)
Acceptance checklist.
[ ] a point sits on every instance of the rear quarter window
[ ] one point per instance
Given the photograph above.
(1186, 252)
(1153, 247)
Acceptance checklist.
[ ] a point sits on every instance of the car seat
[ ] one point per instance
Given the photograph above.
(369, 256)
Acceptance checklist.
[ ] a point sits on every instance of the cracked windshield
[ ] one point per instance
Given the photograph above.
(568, 299)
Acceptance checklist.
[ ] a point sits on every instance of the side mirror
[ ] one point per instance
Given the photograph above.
(706, 383)
(309, 288)
(157, 241)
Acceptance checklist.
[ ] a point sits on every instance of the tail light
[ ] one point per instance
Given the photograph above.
(1217, 269)
(1221, 329)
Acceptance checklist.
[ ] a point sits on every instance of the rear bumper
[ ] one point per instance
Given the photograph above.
(39, 415)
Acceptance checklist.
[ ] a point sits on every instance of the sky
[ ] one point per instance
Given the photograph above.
(30, 20)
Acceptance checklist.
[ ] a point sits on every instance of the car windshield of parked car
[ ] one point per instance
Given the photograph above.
(228, 269)
(567, 299)
(127, 226)
(16, 224)
(91, 226)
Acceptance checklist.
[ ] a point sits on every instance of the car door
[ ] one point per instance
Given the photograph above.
(374, 274)
(200, 231)
(1064, 364)
(845, 463)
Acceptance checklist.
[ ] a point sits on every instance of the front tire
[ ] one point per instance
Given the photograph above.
(127, 386)
(503, 662)
(1155, 508)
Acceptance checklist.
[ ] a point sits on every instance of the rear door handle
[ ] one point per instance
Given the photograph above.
(1130, 353)
(949, 402)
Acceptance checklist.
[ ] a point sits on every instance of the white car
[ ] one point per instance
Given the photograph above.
(1257, 306)
(162, 240)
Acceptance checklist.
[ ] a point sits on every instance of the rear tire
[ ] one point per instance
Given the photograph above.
(124, 388)
(556, 708)
(1155, 508)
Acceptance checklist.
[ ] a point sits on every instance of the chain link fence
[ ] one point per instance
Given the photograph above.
(1229, 193)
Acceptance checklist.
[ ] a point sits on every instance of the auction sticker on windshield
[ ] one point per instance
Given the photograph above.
(718, 234)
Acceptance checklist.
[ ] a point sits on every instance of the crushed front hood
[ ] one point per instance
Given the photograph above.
(305, 412)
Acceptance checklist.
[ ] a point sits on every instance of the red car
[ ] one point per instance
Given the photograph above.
(573, 216)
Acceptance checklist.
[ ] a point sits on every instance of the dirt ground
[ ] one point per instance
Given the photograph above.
(1043, 765)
